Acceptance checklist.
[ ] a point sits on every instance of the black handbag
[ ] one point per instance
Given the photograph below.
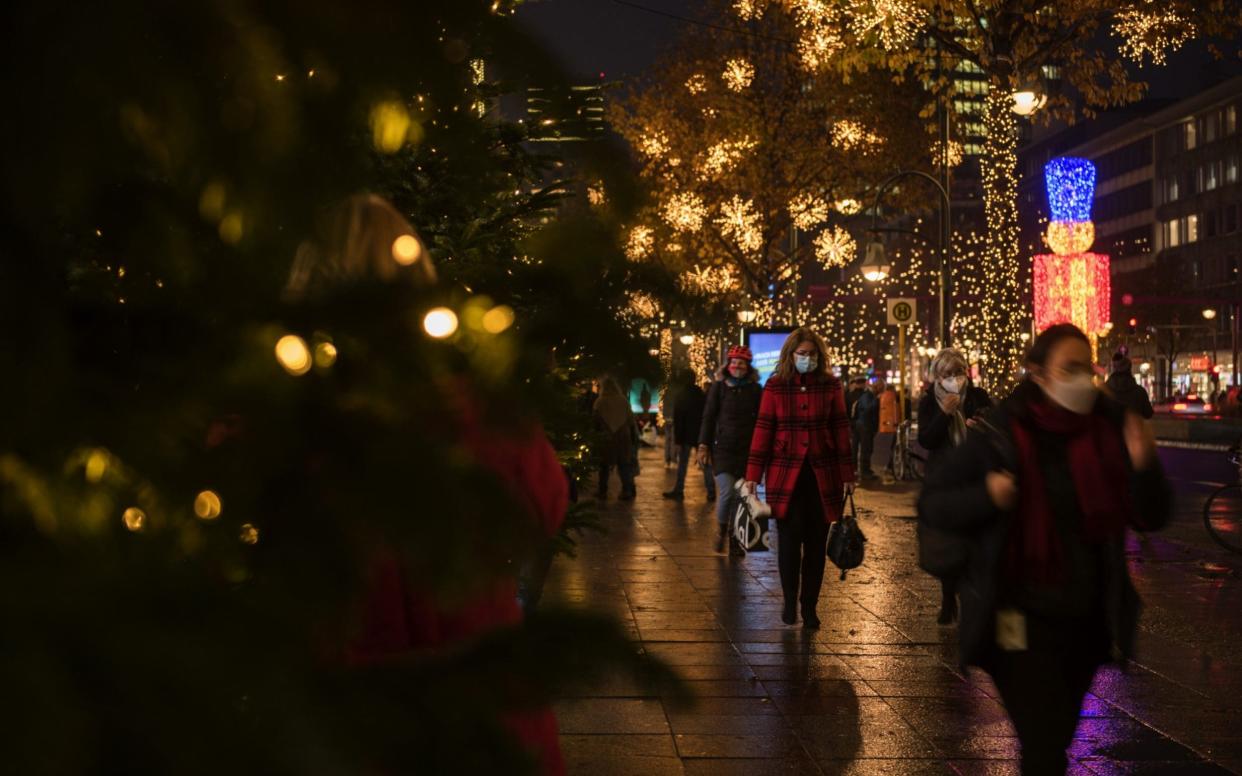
(846, 541)
(941, 554)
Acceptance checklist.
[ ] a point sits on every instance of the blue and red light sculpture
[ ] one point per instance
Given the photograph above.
(1071, 283)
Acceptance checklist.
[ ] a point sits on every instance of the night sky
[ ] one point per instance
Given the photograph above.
(602, 36)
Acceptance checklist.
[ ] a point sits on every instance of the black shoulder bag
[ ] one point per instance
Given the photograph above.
(846, 541)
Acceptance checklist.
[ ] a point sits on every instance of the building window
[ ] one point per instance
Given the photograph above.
(1231, 169)
(1209, 223)
(1231, 120)
(1211, 175)
(1192, 228)
(1189, 136)
(1172, 236)
(1170, 188)
(1230, 220)
(1209, 127)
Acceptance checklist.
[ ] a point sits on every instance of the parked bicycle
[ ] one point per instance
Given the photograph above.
(1222, 514)
(908, 464)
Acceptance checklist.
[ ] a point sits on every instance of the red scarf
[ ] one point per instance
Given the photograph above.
(1097, 463)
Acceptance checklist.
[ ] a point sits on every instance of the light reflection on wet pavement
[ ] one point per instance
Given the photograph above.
(877, 689)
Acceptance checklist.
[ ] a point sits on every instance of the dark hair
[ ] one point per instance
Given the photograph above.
(1049, 337)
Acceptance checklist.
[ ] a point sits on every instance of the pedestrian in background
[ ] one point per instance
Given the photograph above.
(728, 423)
(801, 451)
(688, 405)
(1045, 487)
(945, 412)
(1125, 388)
(866, 421)
(857, 386)
(886, 435)
(666, 419)
(615, 419)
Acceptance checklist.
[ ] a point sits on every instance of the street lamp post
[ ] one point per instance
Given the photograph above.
(875, 250)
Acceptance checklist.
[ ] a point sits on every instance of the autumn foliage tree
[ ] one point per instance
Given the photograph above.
(1099, 46)
(752, 157)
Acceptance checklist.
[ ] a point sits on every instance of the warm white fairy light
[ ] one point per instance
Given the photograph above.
(724, 156)
(666, 363)
(818, 45)
(955, 153)
(849, 134)
(739, 222)
(640, 243)
(835, 247)
(847, 207)
(1151, 29)
(696, 84)
(596, 194)
(808, 211)
(707, 281)
(641, 306)
(895, 23)
(653, 144)
(748, 10)
(738, 74)
(820, 39)
(702, 355)
(685, 211)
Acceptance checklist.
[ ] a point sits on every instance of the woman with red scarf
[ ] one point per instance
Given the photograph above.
(1044, 488)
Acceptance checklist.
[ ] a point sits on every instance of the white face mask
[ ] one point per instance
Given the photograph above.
(805, 364)
(1077, 394)
(953, 384)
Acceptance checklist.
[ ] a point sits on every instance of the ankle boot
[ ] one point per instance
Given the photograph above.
(789, 615)
(948, 611)
(810, 620)
(721, 537)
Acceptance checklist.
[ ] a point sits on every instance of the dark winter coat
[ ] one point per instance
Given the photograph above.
(851, 398)
(688, 415)
(1126, 390)
(802, 422)
(934, 424)
(729, 422)
(866, 415)
(955, 499)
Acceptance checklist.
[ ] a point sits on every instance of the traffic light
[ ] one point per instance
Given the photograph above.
(1133, 325)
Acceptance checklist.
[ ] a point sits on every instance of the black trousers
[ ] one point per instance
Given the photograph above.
(1043, 689)
(802, 542)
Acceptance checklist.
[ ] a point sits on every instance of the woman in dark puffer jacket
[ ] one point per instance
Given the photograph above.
(728, 422)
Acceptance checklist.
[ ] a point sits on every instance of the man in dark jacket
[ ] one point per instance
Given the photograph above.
(865, 423)
(687, 420)
(1125, 388)
(857, 386)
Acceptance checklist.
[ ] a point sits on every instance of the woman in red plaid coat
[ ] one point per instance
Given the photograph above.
(801, 450)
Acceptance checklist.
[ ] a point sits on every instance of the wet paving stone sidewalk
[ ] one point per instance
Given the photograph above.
(877, 689)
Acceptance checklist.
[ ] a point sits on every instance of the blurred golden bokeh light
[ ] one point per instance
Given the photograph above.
(440, 322)
(293, 355)
(207, 505)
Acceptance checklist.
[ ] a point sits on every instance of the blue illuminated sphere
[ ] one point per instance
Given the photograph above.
(1071, 187)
